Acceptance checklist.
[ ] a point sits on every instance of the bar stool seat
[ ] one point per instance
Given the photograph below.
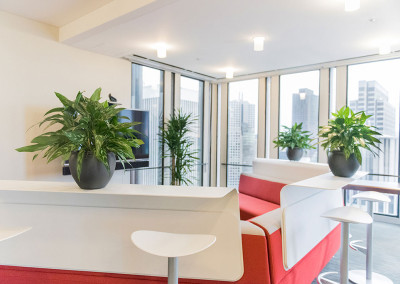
(367, 276)
(346, 215)
(172, 246)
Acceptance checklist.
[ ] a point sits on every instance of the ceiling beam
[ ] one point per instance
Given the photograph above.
(106, 16)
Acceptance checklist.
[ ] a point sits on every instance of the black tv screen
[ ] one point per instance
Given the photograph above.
(141, 116)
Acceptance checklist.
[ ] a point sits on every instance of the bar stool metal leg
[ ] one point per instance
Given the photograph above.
(367, 276)
(172, 270)
(344, 215)
(344, 254)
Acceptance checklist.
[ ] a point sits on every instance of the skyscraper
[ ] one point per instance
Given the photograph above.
(241, 137)
(305, 102)
(304, 106)
(373, 99)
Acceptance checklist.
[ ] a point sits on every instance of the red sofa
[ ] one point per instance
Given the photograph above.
(259, 198)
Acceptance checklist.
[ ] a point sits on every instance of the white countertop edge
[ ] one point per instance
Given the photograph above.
(116, 189)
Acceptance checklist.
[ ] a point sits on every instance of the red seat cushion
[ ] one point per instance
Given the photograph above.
(261, 188)
(251, 207)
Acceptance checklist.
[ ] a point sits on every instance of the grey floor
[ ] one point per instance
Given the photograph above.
(386, 251)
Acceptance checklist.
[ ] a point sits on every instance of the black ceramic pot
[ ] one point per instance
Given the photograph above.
(340, 166)
(94, 174)
(294, 154)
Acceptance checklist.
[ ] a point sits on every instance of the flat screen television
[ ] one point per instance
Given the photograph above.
(141, 116)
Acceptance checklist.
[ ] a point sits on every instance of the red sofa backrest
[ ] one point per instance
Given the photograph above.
(260, 188)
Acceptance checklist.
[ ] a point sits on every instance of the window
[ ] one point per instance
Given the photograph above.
(299, 103)
(192, 92)
(242, 128)
(147, 94)
(374, 88)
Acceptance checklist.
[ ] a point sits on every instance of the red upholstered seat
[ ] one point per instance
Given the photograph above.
(251, 207)
(261, 188)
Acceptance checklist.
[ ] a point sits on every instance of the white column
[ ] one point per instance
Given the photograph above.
(224, 134)
(323, 109)
(168, 101)
(214, 134)
(206, 133)
(261, 117)
(274, 116)
(177, 91)
(341, 86)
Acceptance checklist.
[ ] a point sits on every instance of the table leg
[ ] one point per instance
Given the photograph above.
(172, 270)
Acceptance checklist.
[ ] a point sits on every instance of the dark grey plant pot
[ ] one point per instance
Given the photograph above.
(294, 154)
(340, 166)
(94, 174)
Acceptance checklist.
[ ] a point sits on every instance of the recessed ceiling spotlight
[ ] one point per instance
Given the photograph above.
(229, 73)
(258, 43)
(385, 49)
(351, 5)
(161, 50)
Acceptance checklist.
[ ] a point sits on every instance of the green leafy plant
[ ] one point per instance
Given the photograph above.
(87, 126)
(294, 137)
(347, 132)
(174, 136)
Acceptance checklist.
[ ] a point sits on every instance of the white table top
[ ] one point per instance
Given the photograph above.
(329, 181)
(171, 245)
(116, 189)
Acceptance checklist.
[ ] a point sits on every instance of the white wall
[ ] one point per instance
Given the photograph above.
(33, 65)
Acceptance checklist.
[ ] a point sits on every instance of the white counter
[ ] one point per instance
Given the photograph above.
(90, 230)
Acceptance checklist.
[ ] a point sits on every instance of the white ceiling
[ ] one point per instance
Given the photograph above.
(209, 35)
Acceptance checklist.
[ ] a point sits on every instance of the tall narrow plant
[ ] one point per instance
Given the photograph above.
(174, 136)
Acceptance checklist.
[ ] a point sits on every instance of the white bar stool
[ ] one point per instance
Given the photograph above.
(345, 215)
(172, 246)
(367, 276)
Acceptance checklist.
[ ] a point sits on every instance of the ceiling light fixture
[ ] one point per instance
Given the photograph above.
(258, 43)
(385, 49)
(229, 73)
(351, 5)
(161, 50)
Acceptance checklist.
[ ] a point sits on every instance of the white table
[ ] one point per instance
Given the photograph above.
(74, 229)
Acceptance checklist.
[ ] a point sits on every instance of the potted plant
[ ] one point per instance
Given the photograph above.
(295, 140)
(345, 133)
(89, 135)
(174, 136)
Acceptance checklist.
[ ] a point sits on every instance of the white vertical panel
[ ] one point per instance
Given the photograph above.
(177, 91)
(274, 116)
(261, 117)
(168, 98)
(214, 134)
(224, 133)
(167, 95)
(341, 86)
(206, 133)
(323, 108)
